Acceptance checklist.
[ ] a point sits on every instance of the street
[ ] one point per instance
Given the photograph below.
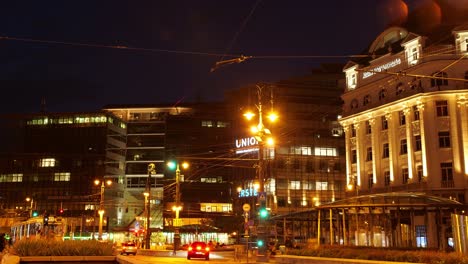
(181, 257)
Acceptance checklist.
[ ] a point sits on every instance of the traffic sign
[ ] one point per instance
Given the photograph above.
(246, 207)
(262, 196)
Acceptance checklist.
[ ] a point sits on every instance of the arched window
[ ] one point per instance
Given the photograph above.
(354, 104)
(367, 100)
(382, 94)
(400, 88)
(439, 82)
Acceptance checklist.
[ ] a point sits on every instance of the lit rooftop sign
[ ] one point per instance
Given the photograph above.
(381, 68)
(246, 145)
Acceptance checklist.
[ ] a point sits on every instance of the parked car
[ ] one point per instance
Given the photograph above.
(198, 250)
(129, 248)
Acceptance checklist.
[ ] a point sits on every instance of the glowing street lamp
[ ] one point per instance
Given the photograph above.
(101, 204)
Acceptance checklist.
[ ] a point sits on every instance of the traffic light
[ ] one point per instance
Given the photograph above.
(35, 213)
(61, 211)
(46, 219)
(260, 243)
(263, 212)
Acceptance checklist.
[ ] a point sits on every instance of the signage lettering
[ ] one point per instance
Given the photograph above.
(246, 142)
(383, 67)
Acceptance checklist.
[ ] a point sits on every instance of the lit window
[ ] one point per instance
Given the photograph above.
(222, 124)
(207, 123)
(295, 185)
(62, 176)
(11, 177)
(321, 186)
(48, 162)
(320, 151)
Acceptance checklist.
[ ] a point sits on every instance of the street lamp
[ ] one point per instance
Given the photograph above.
(177, 205)
(101, 204)
(147, 193)
(31, 207)
(263, 137)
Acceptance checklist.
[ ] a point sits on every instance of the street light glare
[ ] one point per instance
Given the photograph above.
(249, 115)
(272, 117)
(254, 129)
(185, 165)
(270, 142)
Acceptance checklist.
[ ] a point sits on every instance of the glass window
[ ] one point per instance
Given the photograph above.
(416, 113)
(62, 176)
(382, 94)
(402, 118)
(323, 151)
(384, 123)
(440, 79)
(207, 123)
(353, 131)
(370, 180)
(447, 171)
(444, 139)
(417, 143)
(400, 88)
(295, 185)
(419, 171)
(442, 108)
(403, 147)
(421, 236)
(47, 162)
(321, 186)
(368, 128)
(369, 154)
(367, 100)
(387, 178)
(405, 175)
(353, 156)
(385, 151)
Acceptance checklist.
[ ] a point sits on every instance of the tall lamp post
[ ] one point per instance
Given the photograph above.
(263, 137)
(101, 204)
(177, 205)
(31, 207)
(151, 170)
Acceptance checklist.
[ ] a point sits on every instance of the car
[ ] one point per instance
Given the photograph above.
(129, 248)
(198, 250)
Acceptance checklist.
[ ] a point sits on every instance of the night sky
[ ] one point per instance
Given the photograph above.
(67, 51)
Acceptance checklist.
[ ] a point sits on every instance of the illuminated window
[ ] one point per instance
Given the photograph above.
(295, 185)
(62, 176)
(48, 162)
(321, 151)
(421, 236)
(222, 124)
(207, 123)
(414, 52)
(321, 186)
(11, 177)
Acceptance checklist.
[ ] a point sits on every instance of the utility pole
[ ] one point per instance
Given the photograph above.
(151, 169)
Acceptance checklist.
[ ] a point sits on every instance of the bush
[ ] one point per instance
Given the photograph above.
(383, 254)
(43, 247)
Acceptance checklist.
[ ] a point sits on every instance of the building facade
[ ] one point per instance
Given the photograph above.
(53, 161)
(405, 115)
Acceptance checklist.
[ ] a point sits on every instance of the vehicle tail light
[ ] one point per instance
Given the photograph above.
(190, 248)
(207, 249)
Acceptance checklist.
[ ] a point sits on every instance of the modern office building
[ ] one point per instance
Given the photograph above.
(405, 120)
(192, 133)
(53, 160)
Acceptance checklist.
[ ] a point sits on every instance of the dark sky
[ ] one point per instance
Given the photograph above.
(66, 56)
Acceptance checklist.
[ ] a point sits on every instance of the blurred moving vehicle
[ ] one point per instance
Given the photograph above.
(129, 248)
(198, 250)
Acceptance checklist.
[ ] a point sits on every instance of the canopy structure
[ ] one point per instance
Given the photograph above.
(397, 219)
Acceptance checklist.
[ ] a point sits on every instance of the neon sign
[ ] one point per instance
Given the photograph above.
(246, 142)
(248, 193)
(383, 67)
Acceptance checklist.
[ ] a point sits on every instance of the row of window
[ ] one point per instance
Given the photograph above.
(439, 79)
(441, 110)
(318, 151)
(210, 123)
(444, 142)
(446, 176)
(18, 177)
(72, 120)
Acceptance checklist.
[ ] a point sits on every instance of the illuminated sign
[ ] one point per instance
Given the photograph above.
(248, 193)
(245, 145)
(383, 67)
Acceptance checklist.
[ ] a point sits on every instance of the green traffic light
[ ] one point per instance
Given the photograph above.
(263, 213)
(35, 213)
(260, 243)
(172, 165)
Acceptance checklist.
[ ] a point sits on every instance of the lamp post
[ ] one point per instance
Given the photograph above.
(101, 204)
(31, 209)
(151, 170)
(263, 137)
(177, 205)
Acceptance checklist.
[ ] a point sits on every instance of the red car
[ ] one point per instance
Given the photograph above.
(198, 250)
